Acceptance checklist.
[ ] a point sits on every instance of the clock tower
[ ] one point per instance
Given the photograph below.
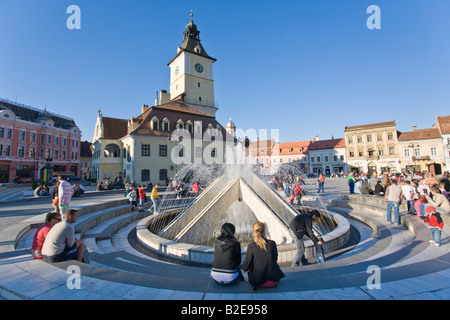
(191, 73)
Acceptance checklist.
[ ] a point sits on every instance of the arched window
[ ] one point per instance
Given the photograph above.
(112, 150)
(145, 175)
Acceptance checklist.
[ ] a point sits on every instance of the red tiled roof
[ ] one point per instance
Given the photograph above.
(174, 111)
(291, 148)
(327, 144)
(444, 124)
(420, 134)
(180, 106)
(114, 128)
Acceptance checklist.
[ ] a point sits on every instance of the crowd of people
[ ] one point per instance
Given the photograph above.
(290, 183)
(110, 185)
(422, 191)
(55, 240)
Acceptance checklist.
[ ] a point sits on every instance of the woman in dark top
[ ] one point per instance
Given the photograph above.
(261, 260)
(227, 257)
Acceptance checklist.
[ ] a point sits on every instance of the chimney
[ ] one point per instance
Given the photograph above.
(157, 99)
(316, 138)
(144, 108)
(414, 128)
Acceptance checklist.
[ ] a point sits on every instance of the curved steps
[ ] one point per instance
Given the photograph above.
(403, 253)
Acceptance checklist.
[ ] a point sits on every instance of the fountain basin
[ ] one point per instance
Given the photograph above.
(204, 255)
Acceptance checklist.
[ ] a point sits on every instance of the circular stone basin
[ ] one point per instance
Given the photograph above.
(204, 255)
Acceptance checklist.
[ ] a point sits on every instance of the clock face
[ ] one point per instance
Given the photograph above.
(199, 68)
(177, 69)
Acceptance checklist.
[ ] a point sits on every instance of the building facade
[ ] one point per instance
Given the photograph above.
(36, 144)
(107, 154)
(154, 149)
(372, 148)
(421, 149)
(288, 152)
(261, 152)
(327, 156)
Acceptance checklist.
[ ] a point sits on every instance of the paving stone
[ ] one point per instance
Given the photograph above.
(410, 268)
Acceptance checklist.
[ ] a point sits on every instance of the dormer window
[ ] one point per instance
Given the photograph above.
(165, 124)
(189, 126)
(218, 131)
(180, 124)
(198, 127)
(155, 123)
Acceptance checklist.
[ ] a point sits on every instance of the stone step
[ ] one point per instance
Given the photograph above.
(92, 219)
(119, 271)
(107, 228)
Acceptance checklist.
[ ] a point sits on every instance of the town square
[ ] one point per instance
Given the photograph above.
(198, 151)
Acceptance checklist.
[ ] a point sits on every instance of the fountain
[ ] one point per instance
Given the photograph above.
(185, 228)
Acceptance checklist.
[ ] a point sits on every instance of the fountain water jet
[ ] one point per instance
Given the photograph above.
(184, 227)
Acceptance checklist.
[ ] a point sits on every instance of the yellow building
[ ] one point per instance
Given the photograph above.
(107, 154)
(372, 148)
(180, 129)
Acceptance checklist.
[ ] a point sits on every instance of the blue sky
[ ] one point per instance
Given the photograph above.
(306, 68)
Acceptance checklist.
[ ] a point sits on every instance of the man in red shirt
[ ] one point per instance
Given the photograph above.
(51, 219)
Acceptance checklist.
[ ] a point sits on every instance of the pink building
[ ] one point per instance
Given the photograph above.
(34, 144)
